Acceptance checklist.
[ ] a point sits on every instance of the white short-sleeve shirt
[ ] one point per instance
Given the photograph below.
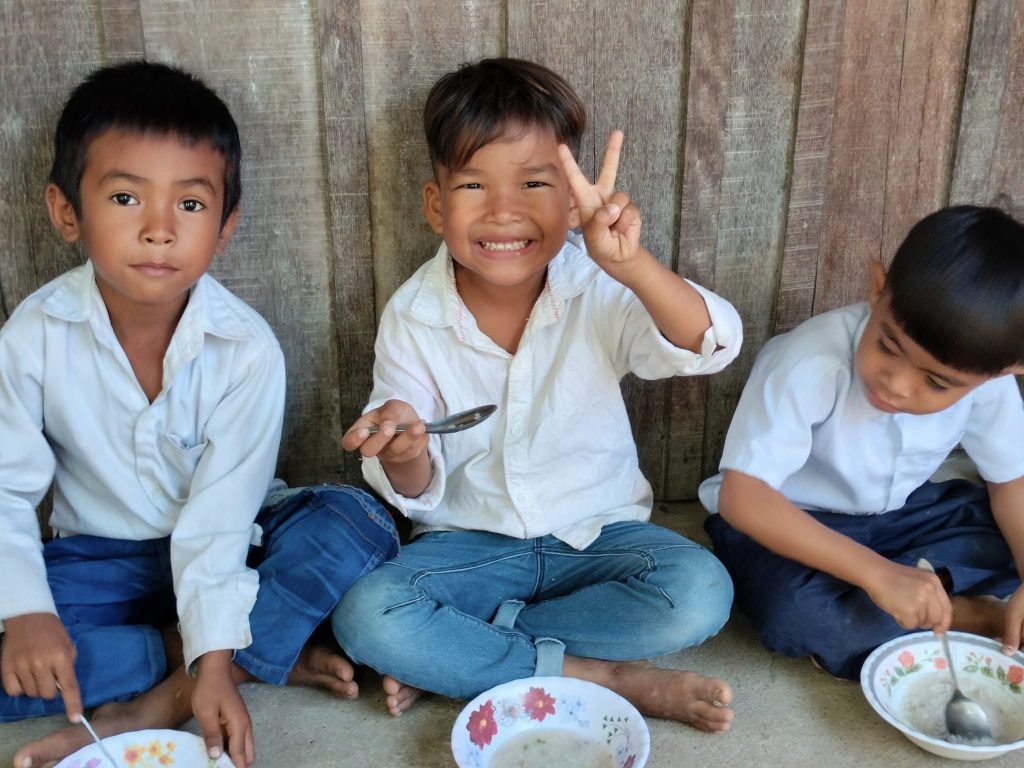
(558, 456)
(804, 426)
(194, 464)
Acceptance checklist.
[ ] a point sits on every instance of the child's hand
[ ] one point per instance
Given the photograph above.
(610, 221)
(914, 597)
(392, 447)
(37, 657)
(222, 715)
(1013, 634)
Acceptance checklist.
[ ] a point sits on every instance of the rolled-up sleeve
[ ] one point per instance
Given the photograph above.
(209, 545)
(649, 355)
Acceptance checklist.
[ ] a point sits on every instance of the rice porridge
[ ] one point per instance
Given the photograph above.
(923, 706)
(552, 747)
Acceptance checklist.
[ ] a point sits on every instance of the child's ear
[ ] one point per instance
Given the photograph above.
(432, 206)
(876, 280)
(227, 231)
(574, 211)
(62, 213)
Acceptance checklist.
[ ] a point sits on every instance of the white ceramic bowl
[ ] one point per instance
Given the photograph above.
(536, 704)
(907, 682)
(147, 749)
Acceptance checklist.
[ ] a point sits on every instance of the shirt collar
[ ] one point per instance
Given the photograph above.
(77, 299)
(437, 301)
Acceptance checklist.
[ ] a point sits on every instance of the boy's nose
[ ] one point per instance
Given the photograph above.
(503, 208)
(158, 228)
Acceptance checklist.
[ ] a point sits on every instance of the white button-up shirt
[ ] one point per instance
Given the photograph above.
(804, 426)
(558, 455)
(194, 464)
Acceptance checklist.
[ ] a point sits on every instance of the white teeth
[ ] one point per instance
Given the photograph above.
(515, 245)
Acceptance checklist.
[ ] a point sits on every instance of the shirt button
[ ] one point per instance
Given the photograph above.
(517, 430)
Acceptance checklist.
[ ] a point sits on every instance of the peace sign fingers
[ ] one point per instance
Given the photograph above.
(592, 196)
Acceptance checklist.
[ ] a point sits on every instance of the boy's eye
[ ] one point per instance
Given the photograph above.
(883, 347)
(535, 184)
(470, 185)
(123, 198)
(192, 206)
(937, 385)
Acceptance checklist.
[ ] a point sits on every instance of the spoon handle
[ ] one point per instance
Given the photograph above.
(926, 566)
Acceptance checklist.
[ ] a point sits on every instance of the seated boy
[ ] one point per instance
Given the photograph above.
(825, 505)
(533, 554)
(152, 399)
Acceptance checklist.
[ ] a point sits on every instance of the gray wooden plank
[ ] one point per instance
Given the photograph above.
(35, 78)
(811, 152)
(864, 125)
(707, 100)
(261, 57)
(759, 129)
(921, 151)
(990, 148)
(345, 152)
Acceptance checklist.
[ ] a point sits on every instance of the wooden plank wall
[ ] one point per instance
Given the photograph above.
(774, 147)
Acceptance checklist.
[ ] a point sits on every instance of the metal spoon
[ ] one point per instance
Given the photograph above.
(95, 736)
(966, 720)
(454, 423)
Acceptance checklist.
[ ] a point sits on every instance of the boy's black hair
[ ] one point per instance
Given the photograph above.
(477, 103)
(144, 97)
(956, 286)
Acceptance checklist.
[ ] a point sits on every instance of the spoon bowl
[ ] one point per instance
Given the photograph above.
(454, 423)
(966, 720)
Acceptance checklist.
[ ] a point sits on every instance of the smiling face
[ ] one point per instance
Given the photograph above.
(150, 217)
(506, 214)
(899, 375)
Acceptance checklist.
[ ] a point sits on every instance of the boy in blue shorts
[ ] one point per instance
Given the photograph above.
(533, 551)
(152, 399)
(824, 503)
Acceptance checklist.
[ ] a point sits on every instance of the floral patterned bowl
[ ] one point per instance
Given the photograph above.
(536, 704)
(907, 682)
(147, 749)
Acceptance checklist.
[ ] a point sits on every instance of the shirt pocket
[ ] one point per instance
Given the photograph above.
(179, 459)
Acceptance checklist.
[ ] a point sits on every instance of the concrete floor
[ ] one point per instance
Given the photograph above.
(787, 714)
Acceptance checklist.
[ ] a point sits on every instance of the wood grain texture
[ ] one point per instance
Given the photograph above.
(33, 85)
(989, 166)
(931, 83)
(810, 164)
(348, 184)
(863, 127)
(760, 121)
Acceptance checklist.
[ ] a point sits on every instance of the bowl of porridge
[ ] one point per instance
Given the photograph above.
(549, 721)
(907, 683)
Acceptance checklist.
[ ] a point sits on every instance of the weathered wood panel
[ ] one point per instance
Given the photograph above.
(760, 120)
(773, 146)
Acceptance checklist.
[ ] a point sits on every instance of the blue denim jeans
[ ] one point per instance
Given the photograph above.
(802, 612)
(458, 612)
(113, 596)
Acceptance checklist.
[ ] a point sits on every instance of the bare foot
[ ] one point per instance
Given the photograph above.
(980, 614)
(168, 705)
(400, 696)
(673, 694)
(320, 667)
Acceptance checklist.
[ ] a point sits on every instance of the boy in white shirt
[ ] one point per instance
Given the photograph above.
(532, 541)
(152, 399)
(824, 503)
